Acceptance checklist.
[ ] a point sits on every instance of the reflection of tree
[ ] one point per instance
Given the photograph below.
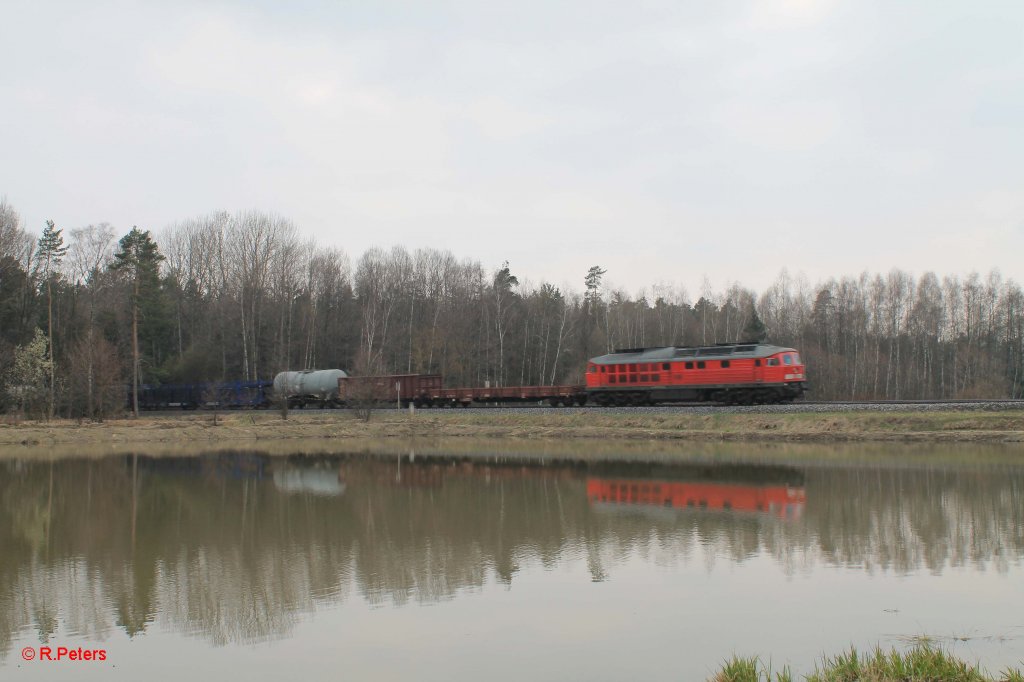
(222, 549)
(905, 520)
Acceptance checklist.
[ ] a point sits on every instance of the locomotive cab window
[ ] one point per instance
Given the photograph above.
(787, 359)
(773, 362)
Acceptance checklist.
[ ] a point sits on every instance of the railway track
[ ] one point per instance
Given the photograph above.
(803, 406)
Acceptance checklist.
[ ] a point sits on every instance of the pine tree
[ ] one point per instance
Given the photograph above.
(139, 259)
(49, 254)
(754, 329)
(593, 284)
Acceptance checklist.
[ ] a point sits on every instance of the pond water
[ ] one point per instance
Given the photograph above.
(547, 564)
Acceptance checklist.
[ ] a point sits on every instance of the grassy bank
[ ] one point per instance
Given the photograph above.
(927, 427)
(921, 664)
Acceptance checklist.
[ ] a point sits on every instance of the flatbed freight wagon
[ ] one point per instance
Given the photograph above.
(426, 390)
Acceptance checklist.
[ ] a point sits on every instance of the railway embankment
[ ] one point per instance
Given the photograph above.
(247, 428)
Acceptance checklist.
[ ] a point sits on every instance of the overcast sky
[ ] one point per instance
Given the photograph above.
(664, 141)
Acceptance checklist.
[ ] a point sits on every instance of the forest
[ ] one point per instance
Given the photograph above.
(87, 311)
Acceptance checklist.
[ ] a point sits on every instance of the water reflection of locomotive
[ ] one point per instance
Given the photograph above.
(743, 373)
(777, 491)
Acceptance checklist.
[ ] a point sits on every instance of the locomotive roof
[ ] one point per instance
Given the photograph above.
(724, 352)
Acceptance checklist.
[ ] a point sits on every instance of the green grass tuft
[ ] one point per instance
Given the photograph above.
(750, 670)
(923, 663)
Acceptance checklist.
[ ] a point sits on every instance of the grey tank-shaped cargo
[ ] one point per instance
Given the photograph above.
(308, 386)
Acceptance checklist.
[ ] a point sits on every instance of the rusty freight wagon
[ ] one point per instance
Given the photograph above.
(389, 388)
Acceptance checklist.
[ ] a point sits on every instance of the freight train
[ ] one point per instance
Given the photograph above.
(728, 374)
(732, 374)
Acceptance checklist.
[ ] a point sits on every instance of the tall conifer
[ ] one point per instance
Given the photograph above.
(138, 258)
(50, 252)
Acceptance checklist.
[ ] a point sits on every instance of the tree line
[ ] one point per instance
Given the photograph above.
(220, 297)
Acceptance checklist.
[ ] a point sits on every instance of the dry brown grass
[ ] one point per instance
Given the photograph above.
(791, 427)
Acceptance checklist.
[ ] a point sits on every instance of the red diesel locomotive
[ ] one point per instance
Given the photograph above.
(734, 374)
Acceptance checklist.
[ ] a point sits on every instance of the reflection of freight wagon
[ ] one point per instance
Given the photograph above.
(425, 390)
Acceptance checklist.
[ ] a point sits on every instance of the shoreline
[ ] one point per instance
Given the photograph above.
(250, 428)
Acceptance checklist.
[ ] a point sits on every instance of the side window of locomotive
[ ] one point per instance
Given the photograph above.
(773, 362)
(665, 366)
(700, 364)
(689, 365)
(757, 363)
(787, 359)
(725, 364)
